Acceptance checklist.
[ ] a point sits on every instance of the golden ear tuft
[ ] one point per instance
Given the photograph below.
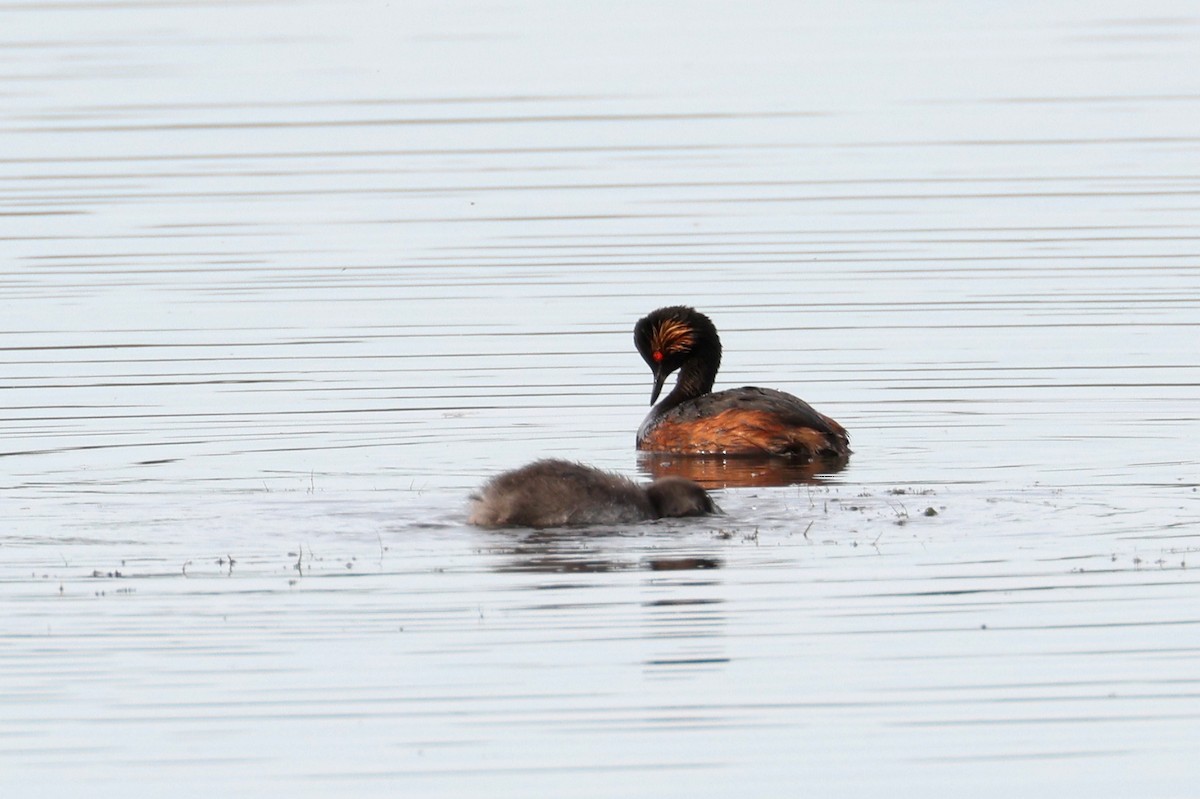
(672, 336)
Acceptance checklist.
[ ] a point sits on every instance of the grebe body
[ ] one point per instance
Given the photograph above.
(555, 493)
(692, 420)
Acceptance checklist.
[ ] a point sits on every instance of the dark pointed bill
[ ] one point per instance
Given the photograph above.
(660, 377)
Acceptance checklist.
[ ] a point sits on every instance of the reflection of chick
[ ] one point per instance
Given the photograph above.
(551, 493)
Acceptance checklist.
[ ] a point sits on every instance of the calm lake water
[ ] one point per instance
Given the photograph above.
(283, 282)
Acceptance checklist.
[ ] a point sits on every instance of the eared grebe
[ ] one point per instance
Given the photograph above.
(739, 421)
(553, 493)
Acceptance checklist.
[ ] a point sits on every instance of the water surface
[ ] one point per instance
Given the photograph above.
(283, 283)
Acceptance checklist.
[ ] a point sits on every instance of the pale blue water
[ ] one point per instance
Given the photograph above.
(283, 282)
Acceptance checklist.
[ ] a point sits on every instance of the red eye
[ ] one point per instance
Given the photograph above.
(657, 356)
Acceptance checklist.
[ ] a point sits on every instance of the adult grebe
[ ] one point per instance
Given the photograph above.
(553, 493)
(739, 421)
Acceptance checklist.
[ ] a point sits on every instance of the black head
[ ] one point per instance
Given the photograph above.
(667, 337)
(678, 496)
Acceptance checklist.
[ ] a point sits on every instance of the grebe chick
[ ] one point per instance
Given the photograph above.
(554, 493)
(739, 421)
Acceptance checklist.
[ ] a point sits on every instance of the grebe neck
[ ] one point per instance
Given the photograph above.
(696, 378)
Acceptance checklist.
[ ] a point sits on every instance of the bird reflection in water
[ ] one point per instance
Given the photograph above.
(595, 550)
(742, 471)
